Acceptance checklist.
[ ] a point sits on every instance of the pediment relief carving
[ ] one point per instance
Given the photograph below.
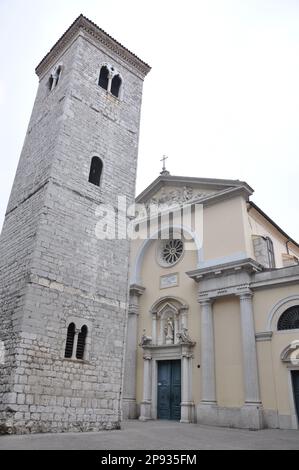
(178, 195)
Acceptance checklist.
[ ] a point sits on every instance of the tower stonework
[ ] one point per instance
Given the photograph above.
(54, 270)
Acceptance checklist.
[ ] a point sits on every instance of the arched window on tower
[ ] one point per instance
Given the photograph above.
(104, 77)
(58, 74)
(54, 78)
(81, 343)
(50, 82)
(115, 86)
(70, 341)
(96, 169)
(289, 320)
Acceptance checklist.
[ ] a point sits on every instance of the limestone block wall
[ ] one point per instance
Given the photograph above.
(54, 270)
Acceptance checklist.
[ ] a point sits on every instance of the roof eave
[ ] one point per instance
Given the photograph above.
(158, 183)
(86, 25)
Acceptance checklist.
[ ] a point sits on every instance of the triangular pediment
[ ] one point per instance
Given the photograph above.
(169, 189)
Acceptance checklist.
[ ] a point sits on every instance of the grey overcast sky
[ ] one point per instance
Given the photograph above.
(222, 99)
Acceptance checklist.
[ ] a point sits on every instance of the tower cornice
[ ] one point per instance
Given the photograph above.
(87, 26)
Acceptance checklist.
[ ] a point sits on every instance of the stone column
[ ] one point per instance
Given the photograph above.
(129, 391)
(208, 375)
(75, 345)
(110, 76)
(207, 410)
(145, 407)
(154, 327)
(186, 404)
(252, 410)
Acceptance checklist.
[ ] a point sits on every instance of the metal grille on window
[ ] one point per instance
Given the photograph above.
(289, 320)
(171, 251)
(81, 343)
(70, 341)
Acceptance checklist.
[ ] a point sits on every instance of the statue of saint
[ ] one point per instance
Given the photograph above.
(169, 331)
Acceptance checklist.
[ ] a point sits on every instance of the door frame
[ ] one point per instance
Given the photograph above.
(152, 354)
(294, 418)
(170, 353)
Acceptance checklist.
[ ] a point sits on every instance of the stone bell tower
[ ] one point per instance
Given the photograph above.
(64, 291)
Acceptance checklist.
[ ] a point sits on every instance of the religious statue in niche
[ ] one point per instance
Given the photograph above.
(145, 340)
(169, 331)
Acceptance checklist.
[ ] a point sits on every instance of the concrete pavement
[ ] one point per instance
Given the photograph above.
(159, 435)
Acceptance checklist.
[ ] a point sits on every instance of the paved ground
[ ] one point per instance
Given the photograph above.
(161, 435)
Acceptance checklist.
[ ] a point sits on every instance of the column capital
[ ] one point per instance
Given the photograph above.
(136, 290)
(147, 357)
(187, 355)
(206, 302)
(154, 313)
(245, 296)
(133, 309)
(184, 308)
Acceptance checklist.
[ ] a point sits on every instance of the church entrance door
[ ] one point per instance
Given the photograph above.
(295, 377)
(169, 390)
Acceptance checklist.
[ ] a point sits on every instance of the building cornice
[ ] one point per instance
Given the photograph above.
(248, 265)
(83, 24)
(275, 277)
(209, 183)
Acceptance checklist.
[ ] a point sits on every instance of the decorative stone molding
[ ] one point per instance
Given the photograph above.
(137, 290)
(216, 188)
(264, 336)
(84, 25)
(137, 266)
(169, 318)
(275, 277)
(278, 309)
(232, 278)
(290, 354)
(178, 196)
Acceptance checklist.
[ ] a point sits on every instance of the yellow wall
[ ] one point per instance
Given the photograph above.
(273, 372)
(228, 349)
(224, 232)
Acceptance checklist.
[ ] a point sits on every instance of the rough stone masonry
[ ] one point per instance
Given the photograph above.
(53, 269)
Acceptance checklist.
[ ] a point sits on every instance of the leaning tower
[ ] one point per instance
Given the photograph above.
(64, 290)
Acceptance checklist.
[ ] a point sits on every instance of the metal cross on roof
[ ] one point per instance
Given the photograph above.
(164, 171)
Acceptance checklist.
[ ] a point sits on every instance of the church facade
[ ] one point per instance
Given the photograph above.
(213, 327)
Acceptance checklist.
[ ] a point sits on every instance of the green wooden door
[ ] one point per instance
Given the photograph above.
(169, 390)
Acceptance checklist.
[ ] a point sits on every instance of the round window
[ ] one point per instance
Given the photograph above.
(170, 252)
